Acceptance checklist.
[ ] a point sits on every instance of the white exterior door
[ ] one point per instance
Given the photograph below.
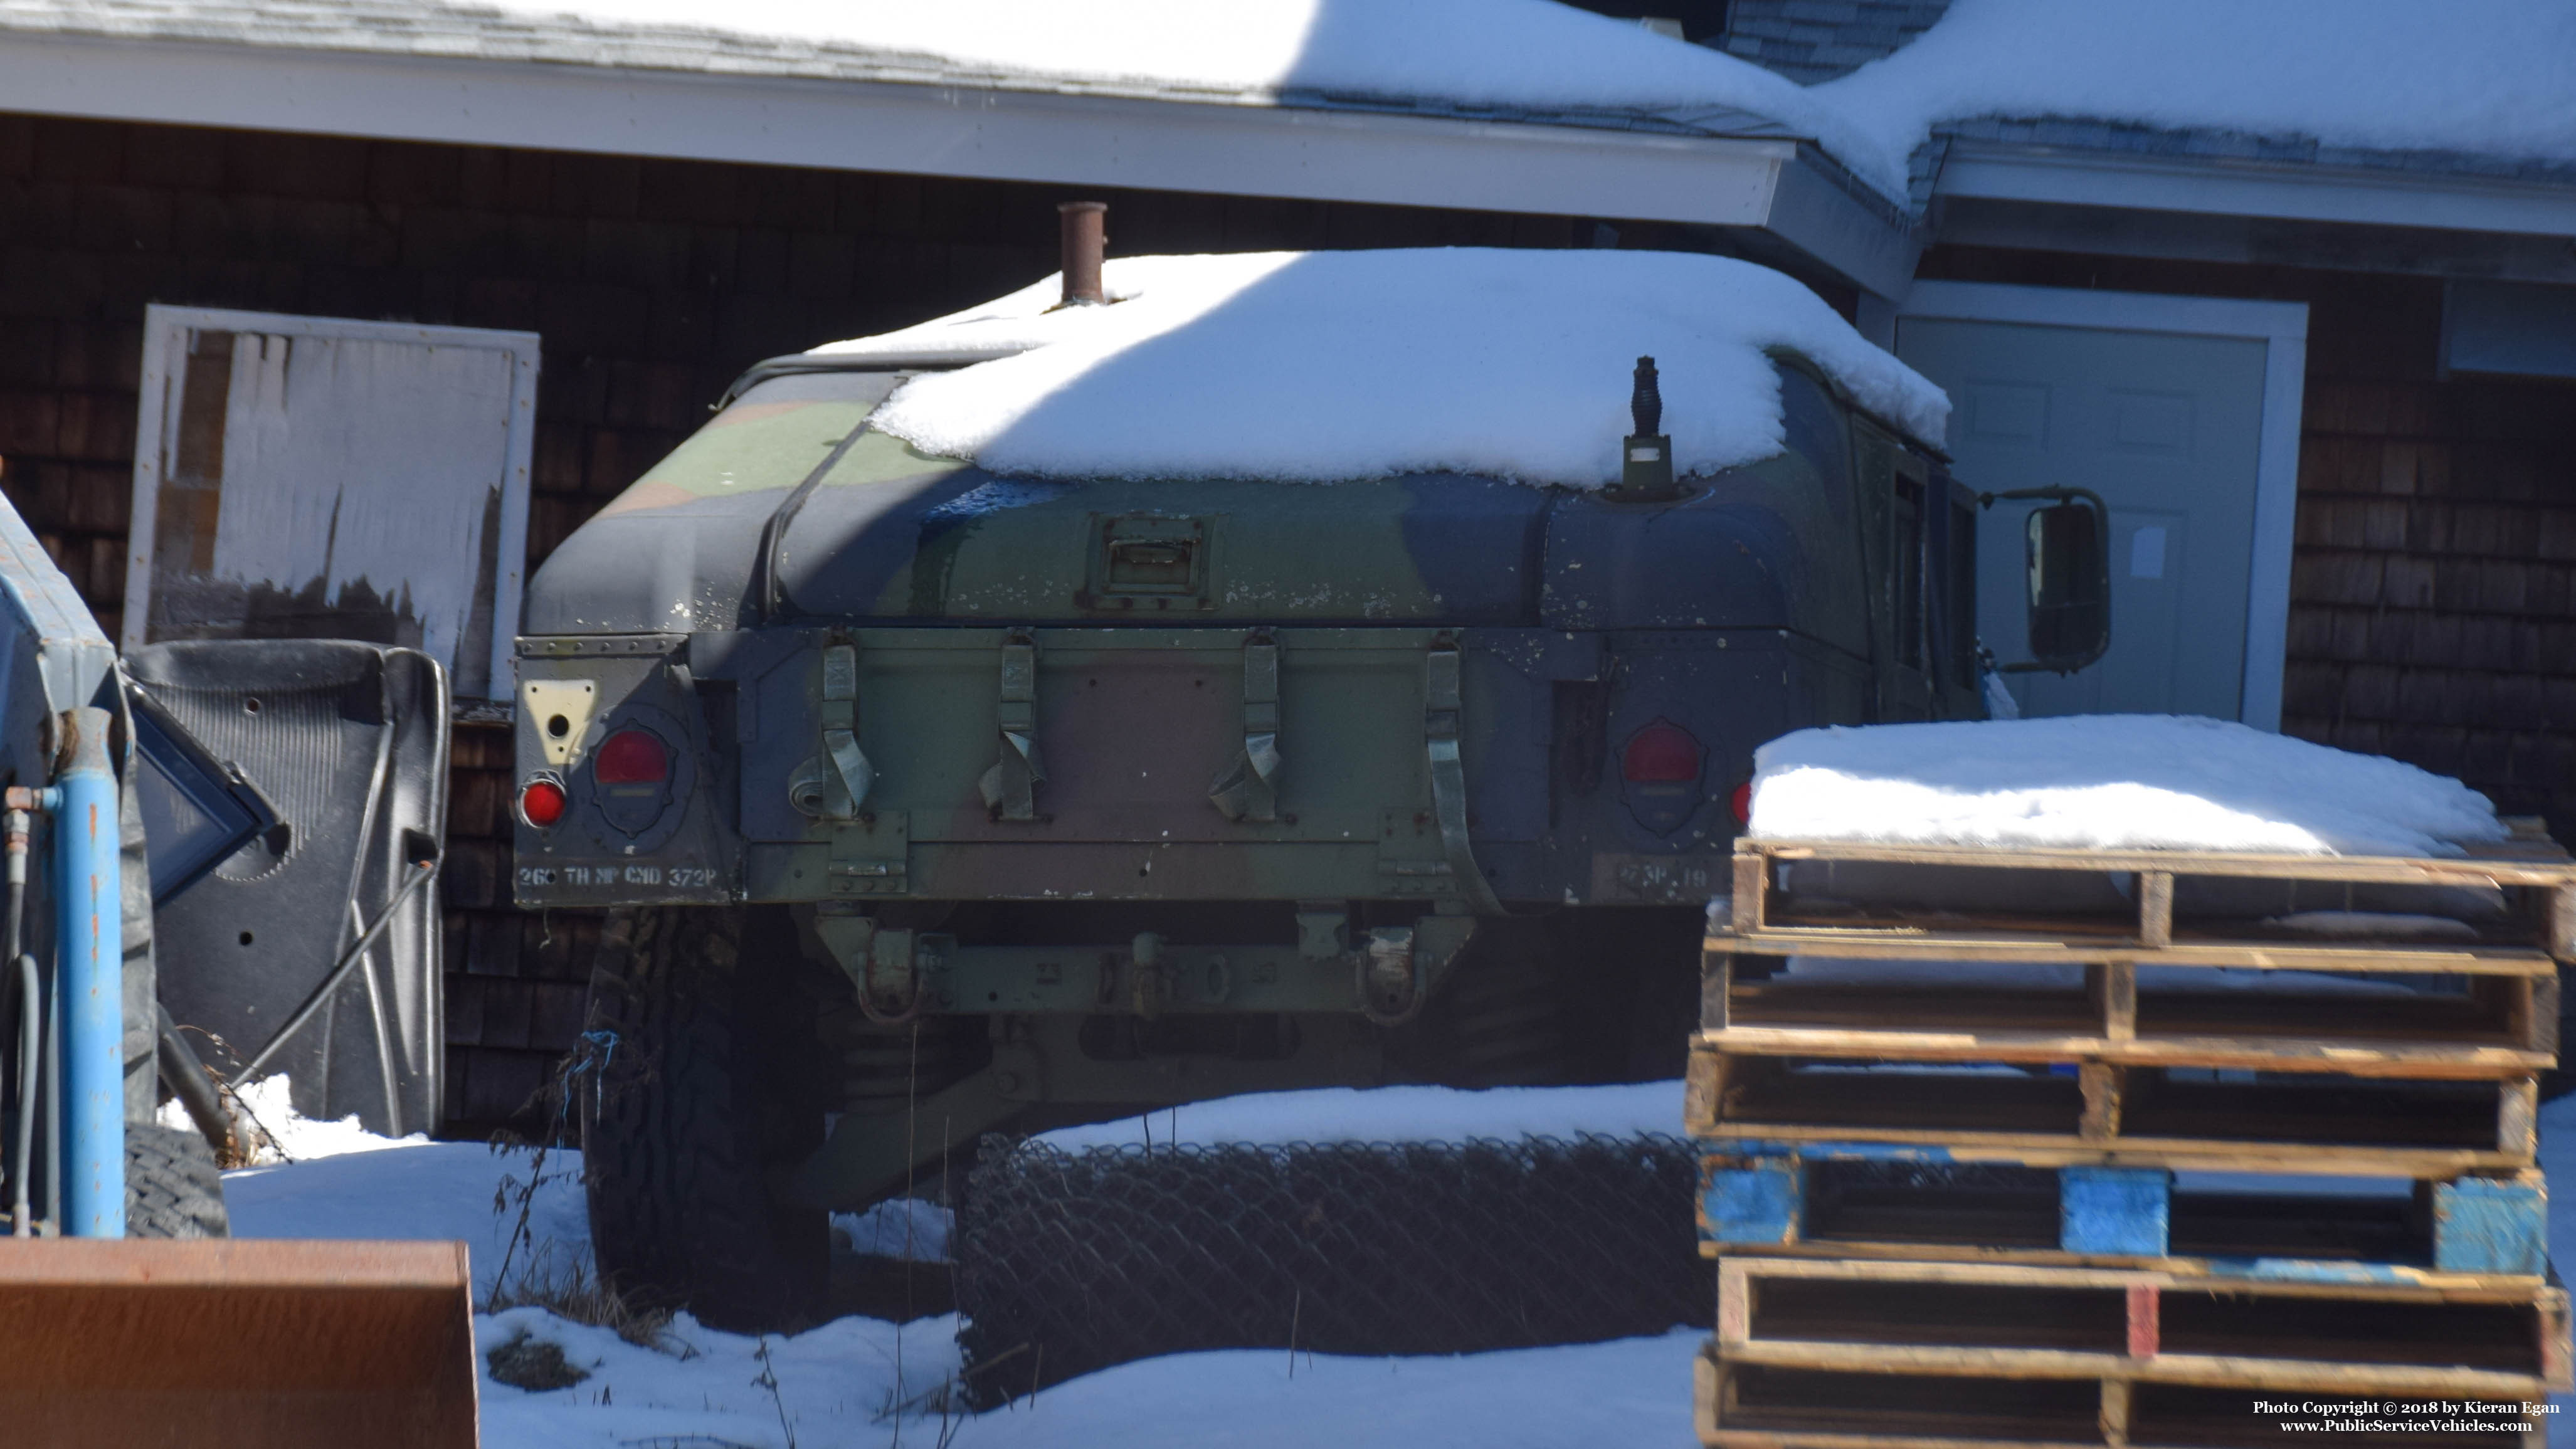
(2174, 429)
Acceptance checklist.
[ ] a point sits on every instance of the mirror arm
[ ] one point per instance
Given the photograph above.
(2056, 495)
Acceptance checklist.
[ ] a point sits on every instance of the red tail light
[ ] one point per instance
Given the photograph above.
(1741, 802)
(541, 803)
(1663, 753)
(631, 757)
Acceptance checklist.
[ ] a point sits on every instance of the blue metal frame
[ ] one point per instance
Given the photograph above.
(58, 691)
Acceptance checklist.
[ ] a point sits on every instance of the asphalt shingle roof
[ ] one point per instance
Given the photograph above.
(1818, 40)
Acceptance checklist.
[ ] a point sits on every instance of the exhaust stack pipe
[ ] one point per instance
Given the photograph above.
(1086, 241)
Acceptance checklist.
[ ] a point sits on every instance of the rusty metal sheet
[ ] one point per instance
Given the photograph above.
(281, 1344)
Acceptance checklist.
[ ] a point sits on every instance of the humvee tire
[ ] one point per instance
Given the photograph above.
(172, 1187)
(700, 1095)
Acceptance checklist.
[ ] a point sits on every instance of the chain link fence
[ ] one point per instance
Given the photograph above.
(1068, 1262)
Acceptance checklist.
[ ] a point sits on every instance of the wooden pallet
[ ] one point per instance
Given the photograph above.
(2066, 1109)
(1763, 1406)
(2502, 1023)
(1875, 1353)
(1870, 1200)
(2537, 881)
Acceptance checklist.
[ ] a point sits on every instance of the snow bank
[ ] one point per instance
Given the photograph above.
(836, 1386)
(2490, 76)
(904, 1228)
(291, 1136)
(1313, 366)
(1632, 1391)
(1515, 54)
(2109, 782)
(418, 1189)
(1394, 1114)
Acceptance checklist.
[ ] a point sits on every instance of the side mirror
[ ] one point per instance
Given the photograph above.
(2066, 557)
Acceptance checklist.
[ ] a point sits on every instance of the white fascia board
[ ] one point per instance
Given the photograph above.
(1091, 140)
(2221, 186)
(2114, 311)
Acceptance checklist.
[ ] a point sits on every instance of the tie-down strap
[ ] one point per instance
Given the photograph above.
(1010, 786)
(1248, 788)
(834, 784)
(1441, 711)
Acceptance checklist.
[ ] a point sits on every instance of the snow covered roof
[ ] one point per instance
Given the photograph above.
(2478, 87)
(1528, 60)
(1313, 366)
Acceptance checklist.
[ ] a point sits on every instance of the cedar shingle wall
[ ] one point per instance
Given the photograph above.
(2433, 591)
(652, 284)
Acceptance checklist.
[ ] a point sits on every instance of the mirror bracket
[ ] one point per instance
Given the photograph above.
(2092, 652)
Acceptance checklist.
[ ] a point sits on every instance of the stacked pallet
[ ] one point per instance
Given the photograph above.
(2176, 1173)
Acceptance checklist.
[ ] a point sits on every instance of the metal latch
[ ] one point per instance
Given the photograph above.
(1249, 787)
(1010, 786)
(834, 784)
(1440, 725)
(1147, 561)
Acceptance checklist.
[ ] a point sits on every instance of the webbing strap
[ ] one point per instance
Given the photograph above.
(1249, 787)
(1010, 786)
(1440, 721)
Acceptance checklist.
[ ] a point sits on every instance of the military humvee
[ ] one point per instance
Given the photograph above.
(936, 801)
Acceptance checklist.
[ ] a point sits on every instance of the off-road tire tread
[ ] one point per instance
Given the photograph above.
(173, 1189)
(681, 1131)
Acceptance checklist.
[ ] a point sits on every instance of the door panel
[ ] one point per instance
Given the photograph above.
(2166, 428)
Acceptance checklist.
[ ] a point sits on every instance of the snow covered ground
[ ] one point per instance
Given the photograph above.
(860, 1383)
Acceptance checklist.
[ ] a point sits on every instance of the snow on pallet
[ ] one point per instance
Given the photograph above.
(1863, 1353)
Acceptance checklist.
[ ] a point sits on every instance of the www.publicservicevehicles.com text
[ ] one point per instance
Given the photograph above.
(2383, 1416)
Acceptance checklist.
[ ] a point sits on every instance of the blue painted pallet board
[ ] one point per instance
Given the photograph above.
(2480, 1226)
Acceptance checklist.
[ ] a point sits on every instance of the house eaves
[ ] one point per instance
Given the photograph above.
(2524, 201)
(1777, 197)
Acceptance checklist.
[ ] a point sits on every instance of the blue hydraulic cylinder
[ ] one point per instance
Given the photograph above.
(89, 952)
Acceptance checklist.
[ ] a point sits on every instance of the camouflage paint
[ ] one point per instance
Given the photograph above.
(1755, 603)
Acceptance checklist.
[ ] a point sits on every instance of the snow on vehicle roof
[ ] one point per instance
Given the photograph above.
(2496, 77)
(1510, 55)
(1313, 366)
(2123, 781)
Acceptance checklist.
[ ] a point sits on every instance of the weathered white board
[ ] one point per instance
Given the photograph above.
(316, 477)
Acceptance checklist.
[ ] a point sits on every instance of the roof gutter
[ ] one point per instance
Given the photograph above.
(2272, 190)
(1780, 193)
